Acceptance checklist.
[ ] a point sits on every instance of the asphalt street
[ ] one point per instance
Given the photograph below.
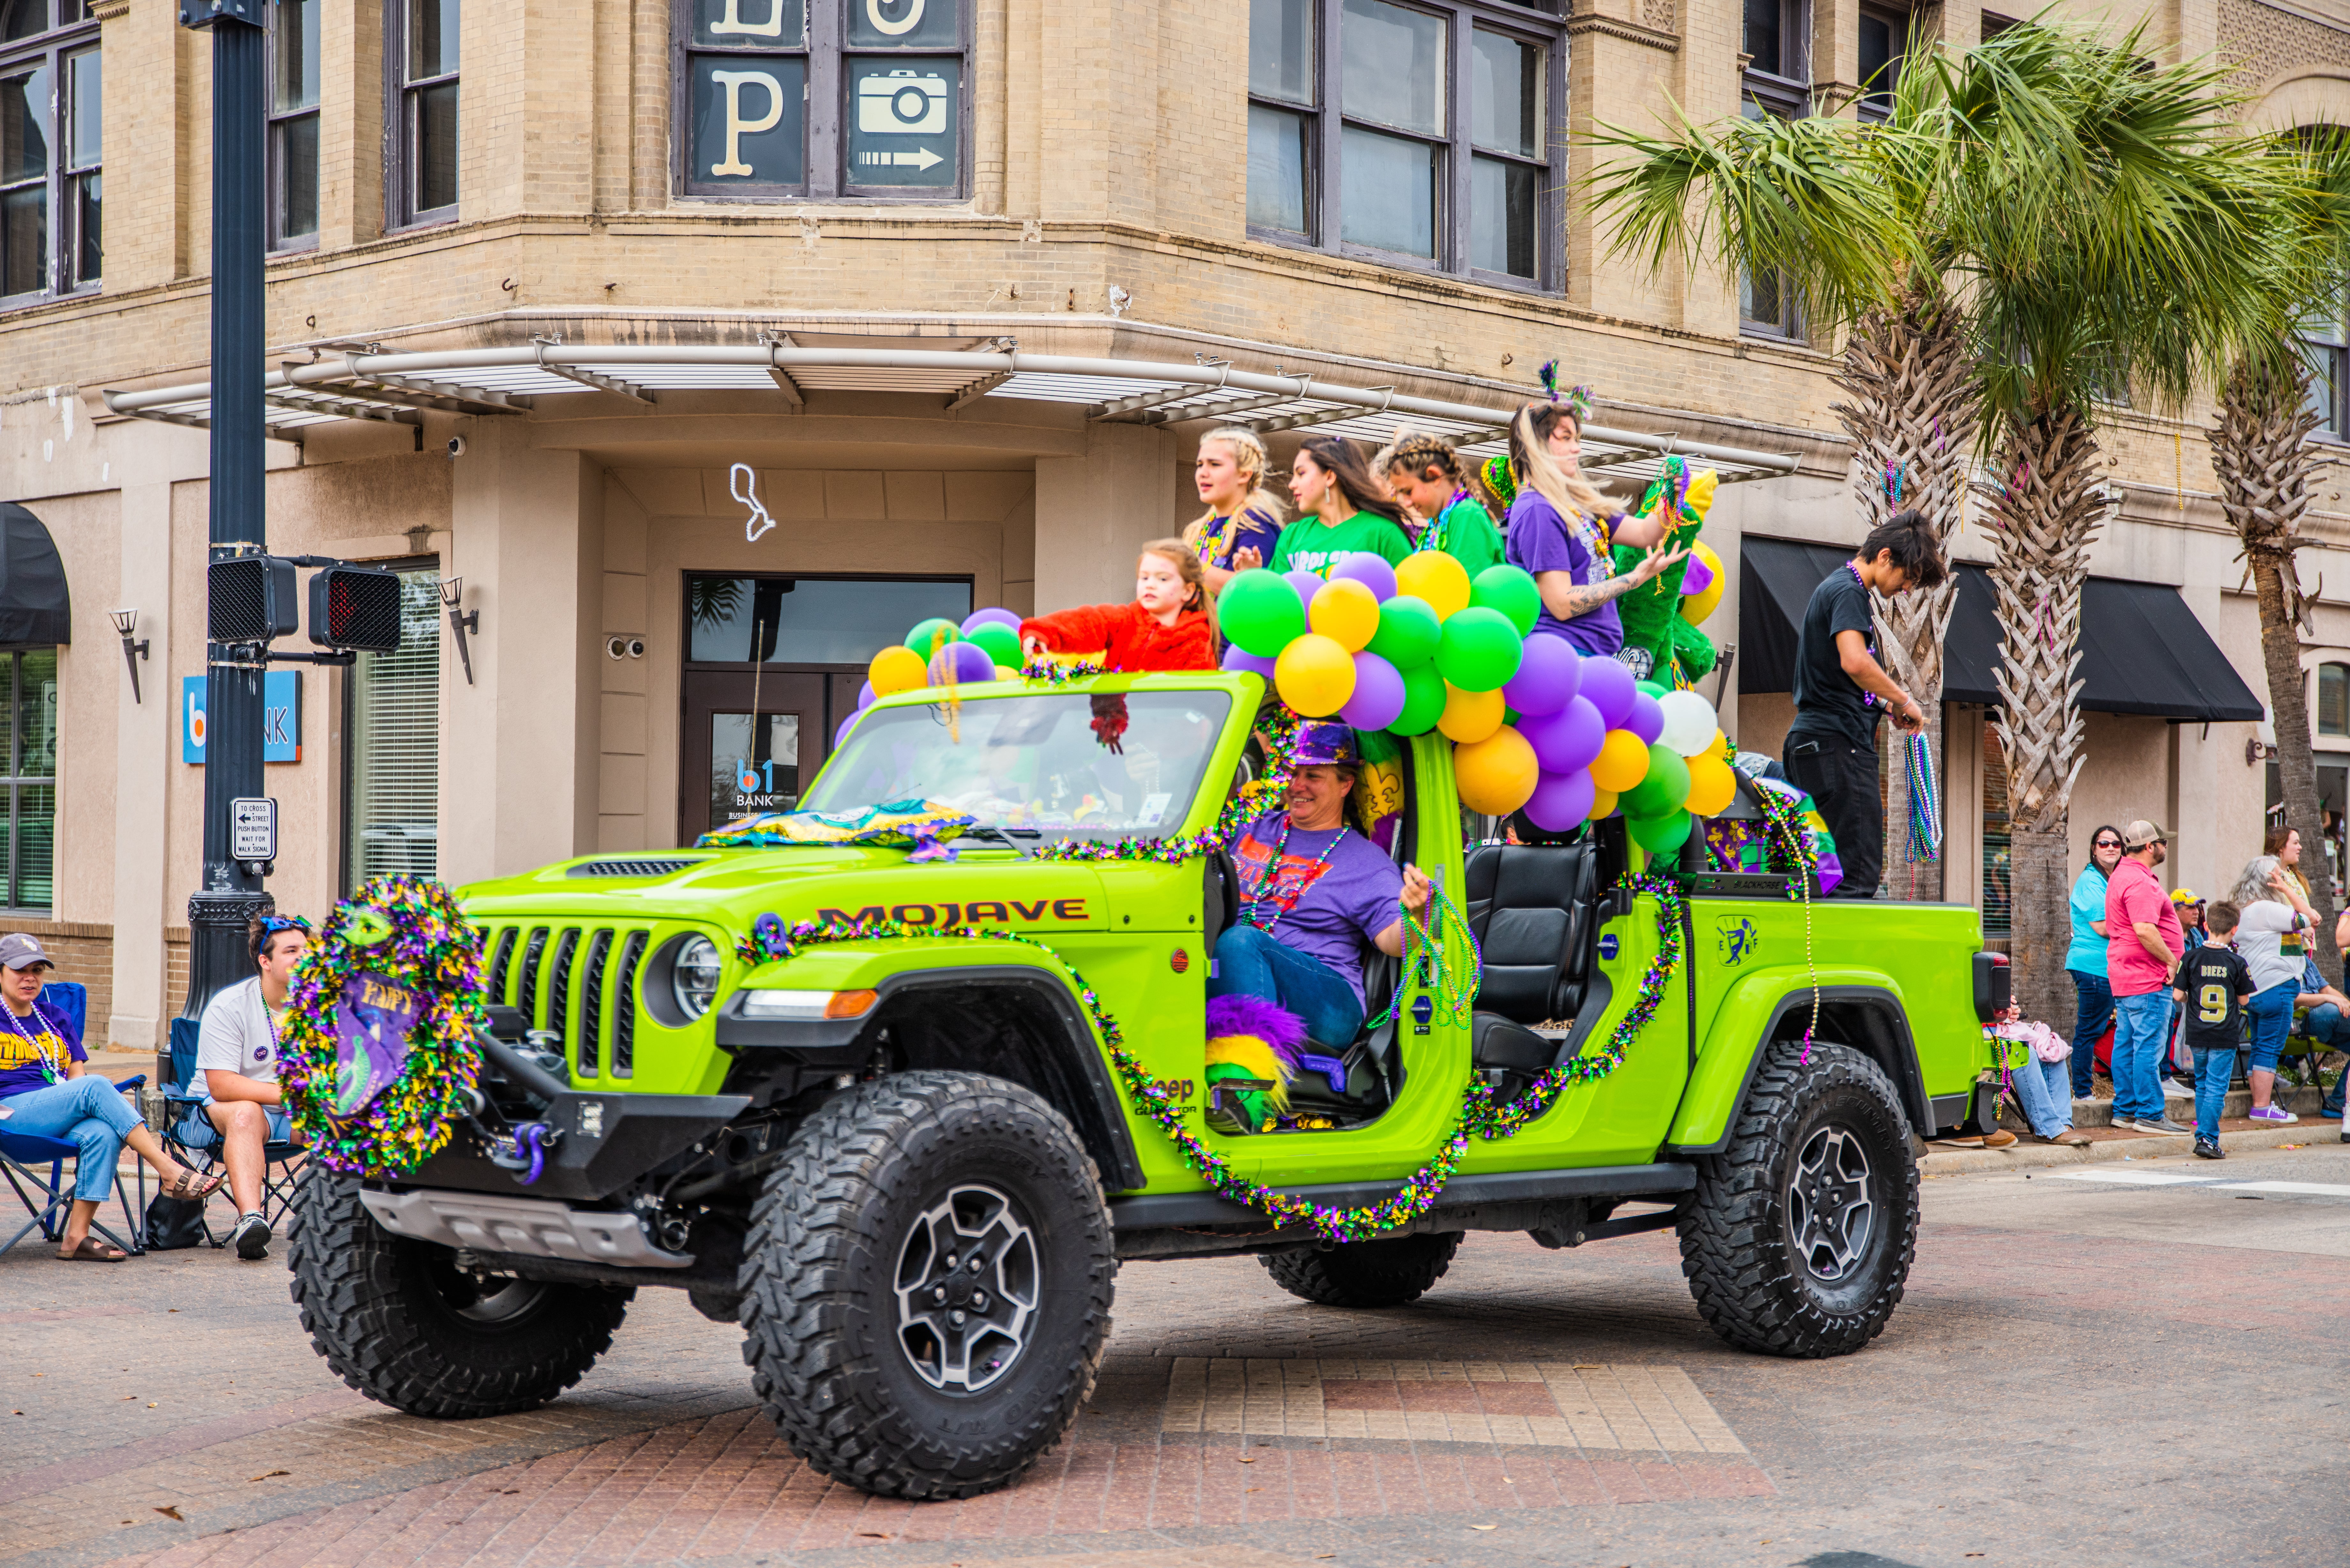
(2135, 1363)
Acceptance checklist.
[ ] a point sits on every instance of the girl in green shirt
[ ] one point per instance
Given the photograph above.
(1342, 510)
(1427, 476)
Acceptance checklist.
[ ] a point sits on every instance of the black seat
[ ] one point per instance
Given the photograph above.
(1531, 906)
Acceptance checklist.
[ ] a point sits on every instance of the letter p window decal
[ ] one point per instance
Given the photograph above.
(736, 126)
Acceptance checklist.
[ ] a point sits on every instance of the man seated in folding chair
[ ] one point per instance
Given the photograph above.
(45, 1093)
(237, 1072)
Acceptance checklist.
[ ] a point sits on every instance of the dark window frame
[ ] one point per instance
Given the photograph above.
(1788, 325)
(1787, 92)
(16, 781)
(1875, 102)
(685, 605)
(2327, 351)
(345, 847)
(402, 96)
(279, 121)
(829, 56)
(1326, 122)
(2317, 708)
(52, 49)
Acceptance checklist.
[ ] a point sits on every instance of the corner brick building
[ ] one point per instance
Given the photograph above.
(707, 344)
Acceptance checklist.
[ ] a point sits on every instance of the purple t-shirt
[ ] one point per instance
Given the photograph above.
(1541, 540)
(1330, 910)
(1254, 529)
(21, 1048)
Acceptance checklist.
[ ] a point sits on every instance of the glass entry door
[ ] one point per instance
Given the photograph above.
(749, 745)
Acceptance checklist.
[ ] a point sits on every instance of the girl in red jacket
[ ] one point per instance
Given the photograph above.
(1170, 624)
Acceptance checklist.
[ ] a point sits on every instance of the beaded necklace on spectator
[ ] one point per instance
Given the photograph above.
(52, 1068)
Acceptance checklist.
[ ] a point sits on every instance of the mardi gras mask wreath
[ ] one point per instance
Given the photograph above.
(379, 1060)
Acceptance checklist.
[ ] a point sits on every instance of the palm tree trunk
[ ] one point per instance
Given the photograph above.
(2045, 509)
(2260, 451)
(1912, 422)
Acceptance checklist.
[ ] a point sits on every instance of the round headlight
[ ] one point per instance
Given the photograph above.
(694, 976)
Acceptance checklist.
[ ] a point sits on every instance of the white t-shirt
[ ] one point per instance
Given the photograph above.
(2269, 936)
(236, 1036)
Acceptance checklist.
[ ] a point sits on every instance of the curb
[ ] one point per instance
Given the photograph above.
(2034, 1156)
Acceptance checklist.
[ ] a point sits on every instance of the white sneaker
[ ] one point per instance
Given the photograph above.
(2172, 1089)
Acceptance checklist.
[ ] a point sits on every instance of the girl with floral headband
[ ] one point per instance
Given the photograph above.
(1560, 528)
(1428, 476)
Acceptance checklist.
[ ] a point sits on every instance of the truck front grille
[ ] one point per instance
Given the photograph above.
(567, 981)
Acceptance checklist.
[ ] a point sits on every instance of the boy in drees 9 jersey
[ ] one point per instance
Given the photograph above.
(2211, 988)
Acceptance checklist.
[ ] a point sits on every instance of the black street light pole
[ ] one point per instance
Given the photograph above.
(218, 912)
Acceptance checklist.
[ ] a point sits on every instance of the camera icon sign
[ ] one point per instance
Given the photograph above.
(902, 103)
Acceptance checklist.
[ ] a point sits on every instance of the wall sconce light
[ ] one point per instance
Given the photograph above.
(2256, 753)
(126, 622)
(452, 590)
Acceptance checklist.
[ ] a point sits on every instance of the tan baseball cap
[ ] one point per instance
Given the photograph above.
(2141, 833)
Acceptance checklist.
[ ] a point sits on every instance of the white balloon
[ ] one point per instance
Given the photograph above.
(1689, 723)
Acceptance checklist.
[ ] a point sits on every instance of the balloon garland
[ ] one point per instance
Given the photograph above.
(379, 1062)
(770, 940)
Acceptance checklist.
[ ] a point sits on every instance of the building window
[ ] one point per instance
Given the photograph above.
(1997, 904)
(785, 99)
(391, 750)
(420, 58)
(1776, 39)
(293, 123)
(2325, 343)
(51, 125)
(1768, 304)
(1417, 134)
(811, 620)
(1883, 39)
(2334, 700)
(30, 682)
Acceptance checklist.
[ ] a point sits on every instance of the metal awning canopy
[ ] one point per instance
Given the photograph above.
(395, 387)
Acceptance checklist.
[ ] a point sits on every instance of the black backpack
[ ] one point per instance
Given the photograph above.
(173, 1223)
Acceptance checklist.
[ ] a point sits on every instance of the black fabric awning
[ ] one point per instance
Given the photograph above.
(2144, 651)
(35, 607)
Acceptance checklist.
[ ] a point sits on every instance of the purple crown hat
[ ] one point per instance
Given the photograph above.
(1325, 745)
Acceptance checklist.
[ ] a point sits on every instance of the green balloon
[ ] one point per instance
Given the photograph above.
(1423, 702)
(1650, 689)
(1661, 835)
(1480, 649)
(1665, 787)
(1002, 642)
(1260, 611)
(1510, 589)
(1408, 632)
(928, 636)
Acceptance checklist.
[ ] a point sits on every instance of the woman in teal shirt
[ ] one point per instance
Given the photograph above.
(2085, 958)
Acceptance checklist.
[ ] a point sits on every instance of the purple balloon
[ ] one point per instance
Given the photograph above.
(1306, 584)
(1609, 685)
(1546, 678)
(963, 662)
(1696, 576)
(1560, 800)
(1645, 720)
(865, 697)
(977, 619)
(1567, 741)
(1372, 572)
(840, 736)
(1379, 694)
(1237, 657)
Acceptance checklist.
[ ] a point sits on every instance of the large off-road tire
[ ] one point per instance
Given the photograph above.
(885, 1364)
(1366, 1273)
(1799, 1236)
(398, 1321)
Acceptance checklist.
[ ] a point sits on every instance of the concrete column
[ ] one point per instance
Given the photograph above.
(145, 896)
(519, 750)
(1094, 512)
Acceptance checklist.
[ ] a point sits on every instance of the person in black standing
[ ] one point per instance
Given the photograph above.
(1841, 690)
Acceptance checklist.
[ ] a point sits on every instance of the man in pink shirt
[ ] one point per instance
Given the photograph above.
(2143, 946)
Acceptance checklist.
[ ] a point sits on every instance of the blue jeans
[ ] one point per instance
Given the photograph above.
(2271, 1012)
(89, 1112)
(2326, 1022)
(2138, 1024)
(1251, 963)
(2040, 1089)
(2094, 1006)
(2214, 1066)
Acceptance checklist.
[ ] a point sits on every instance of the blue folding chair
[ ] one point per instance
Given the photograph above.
(191, 1138)
(45, 1198)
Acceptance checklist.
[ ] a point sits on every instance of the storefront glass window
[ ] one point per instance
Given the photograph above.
(2333, 699)
(753, 769)
(392, 727)
(1995, 901)
(31, 724)
(811, 620)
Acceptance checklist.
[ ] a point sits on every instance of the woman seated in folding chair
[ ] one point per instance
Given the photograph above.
(237, 1072)
(45, 1093)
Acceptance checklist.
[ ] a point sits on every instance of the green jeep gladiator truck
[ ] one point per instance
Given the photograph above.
(908, 1157)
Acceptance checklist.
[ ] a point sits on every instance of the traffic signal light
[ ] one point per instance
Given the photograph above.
(252, 599)
(355, 607)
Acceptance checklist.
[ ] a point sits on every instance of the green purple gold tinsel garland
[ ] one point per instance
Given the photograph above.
(1054, 674)
(409, 931)
(770, 940)
(1782, 820)
(1279, 727)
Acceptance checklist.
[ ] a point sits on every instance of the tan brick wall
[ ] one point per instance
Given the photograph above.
(2268, 43)
(84, 955)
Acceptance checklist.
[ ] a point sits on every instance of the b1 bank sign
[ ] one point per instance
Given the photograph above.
(281, 717)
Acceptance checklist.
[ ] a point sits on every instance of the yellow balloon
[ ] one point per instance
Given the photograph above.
(1622, 762)
(1435, 576)
(1496, 776)
(1315, 675)
(1700, 497)
(1712, 786)
(1719, 748)
(1603, 804)
(1695, 608)
(1346, 612)
(1471, 716)
(896, 669)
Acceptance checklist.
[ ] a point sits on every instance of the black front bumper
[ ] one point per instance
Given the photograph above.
(607, 1141)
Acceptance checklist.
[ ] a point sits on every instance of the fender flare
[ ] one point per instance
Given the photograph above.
(1888, 1042)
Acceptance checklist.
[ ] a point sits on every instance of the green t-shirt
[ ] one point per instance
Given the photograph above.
(1465, 532)
(1310, 544)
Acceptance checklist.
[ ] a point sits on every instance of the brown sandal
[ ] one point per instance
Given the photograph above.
(189, 1184)
(93, 1250)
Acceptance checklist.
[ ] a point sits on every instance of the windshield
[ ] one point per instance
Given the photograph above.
(1060, 762)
